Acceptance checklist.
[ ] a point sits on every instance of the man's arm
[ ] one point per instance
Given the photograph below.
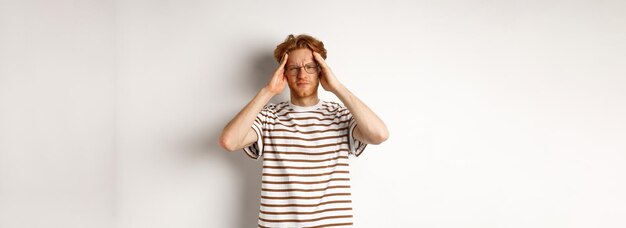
(238, 133)
(370, 128)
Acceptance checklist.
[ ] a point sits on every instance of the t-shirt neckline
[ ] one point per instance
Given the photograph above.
(306, 108)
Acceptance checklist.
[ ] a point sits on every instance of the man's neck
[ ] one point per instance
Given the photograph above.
(305, 101)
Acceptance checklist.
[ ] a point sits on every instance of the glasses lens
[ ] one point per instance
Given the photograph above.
(311, 68)
(292, 70)
(295, 70)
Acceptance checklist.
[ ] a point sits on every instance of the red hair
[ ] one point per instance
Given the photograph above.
(299, 42)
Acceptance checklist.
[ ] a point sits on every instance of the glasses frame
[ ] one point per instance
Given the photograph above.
(287, 68)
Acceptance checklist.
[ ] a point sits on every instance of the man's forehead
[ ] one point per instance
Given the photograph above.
(300, 56)
(299, 60)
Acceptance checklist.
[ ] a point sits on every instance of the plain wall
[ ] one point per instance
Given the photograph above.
(57, 114)
(501, 113)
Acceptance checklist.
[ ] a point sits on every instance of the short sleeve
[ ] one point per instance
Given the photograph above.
(356, 146)
(255, 150)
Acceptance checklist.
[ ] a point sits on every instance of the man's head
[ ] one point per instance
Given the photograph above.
(301, 69)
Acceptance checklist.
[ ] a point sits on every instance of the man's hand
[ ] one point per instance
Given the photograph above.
(327, 78)
(238, 133)
(278, 81)
(370, 128)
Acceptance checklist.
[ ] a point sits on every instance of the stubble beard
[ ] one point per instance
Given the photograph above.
(305, 93)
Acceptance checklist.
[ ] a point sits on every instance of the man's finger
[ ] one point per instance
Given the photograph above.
(284, 60)
(319, 58)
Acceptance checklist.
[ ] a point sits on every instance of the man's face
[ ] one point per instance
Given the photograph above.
(302, 83)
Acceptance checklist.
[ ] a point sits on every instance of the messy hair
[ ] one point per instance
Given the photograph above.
(299, 42)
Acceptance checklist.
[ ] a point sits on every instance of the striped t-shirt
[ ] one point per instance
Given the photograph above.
(306, 181)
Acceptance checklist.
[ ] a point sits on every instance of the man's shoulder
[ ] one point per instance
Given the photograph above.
(275, 107)
(334, 106)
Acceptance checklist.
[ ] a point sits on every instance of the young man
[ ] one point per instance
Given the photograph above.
(304, 142)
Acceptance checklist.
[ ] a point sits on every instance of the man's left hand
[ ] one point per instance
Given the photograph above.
(327, 78)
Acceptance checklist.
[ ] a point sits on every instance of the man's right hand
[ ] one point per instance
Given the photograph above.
(238, 133)
(279, 80)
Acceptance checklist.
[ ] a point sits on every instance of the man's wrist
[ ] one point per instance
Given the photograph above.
(267, 92)
(339, 90)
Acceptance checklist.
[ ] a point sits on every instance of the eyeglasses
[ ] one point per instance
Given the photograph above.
(310, 68)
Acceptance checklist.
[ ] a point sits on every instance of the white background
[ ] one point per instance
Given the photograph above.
(501, 113)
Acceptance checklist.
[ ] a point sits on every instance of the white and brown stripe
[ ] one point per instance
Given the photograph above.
(306, 178)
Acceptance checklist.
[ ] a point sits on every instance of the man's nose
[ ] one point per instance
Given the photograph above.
(301, 72)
